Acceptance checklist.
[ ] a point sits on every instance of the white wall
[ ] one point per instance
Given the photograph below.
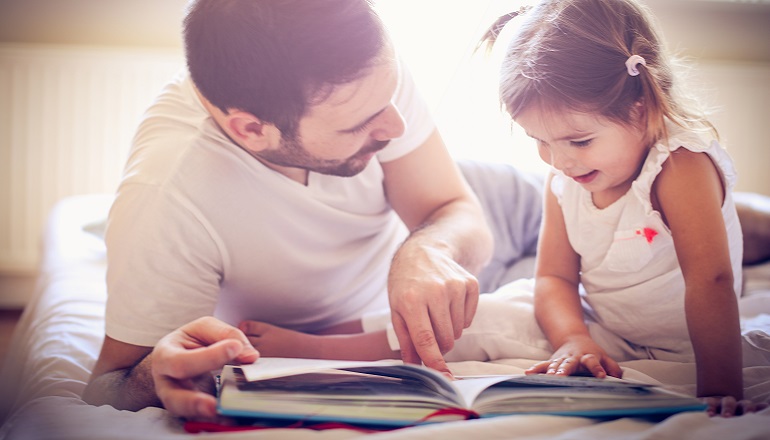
(113, 32)
(148, 23)
(729, 44)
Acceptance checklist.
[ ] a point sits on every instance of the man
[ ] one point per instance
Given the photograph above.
(273, 184)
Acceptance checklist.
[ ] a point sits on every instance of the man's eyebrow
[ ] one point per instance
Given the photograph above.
(367, 121)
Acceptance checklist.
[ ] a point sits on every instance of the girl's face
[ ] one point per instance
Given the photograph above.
(602, 156)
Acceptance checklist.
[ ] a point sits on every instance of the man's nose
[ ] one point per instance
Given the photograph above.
(390, 125)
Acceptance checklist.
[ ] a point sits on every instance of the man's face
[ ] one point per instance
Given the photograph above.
(340, 135)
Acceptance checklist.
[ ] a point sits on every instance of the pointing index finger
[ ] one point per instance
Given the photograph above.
(418, 344)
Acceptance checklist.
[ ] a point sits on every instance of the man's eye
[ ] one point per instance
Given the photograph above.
(361, 128)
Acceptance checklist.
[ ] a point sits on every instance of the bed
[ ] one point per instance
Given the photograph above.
(59, 334)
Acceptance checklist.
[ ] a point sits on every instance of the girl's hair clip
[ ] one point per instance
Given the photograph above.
(632, 62)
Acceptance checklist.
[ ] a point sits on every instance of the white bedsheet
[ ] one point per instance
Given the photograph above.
(59, 336)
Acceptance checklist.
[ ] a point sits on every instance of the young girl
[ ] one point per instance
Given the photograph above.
(640, 249)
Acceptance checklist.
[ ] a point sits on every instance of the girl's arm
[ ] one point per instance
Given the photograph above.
(689, 194)
(557, 302)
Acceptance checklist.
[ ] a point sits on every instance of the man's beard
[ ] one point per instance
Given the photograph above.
(293, 154)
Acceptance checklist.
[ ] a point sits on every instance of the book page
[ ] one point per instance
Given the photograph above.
(577, 395)
(608, 382)
(401, 395)
(470, 387)
(273, 367)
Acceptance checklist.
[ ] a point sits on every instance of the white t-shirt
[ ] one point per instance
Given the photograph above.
(200, 227)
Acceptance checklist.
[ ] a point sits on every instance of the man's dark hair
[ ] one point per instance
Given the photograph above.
(272, 58)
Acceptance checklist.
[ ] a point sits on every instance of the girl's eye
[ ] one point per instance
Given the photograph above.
(584, 143)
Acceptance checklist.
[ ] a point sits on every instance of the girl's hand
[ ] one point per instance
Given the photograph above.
(578, 355)
(727, 406)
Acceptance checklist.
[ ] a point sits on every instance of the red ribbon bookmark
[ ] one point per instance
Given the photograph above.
(196, 427)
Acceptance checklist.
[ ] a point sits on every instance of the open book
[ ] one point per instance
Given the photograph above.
(390, 393)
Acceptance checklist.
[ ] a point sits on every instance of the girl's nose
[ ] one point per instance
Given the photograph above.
(559, 159)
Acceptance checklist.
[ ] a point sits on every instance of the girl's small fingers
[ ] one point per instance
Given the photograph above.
(613, 369)
(744, 407)
(591, 363)
(749, 406)
(252, 328)
(729, 406)
(554, 365)
(538, 368)
(713, 405)
(568, 366)
(254, 341)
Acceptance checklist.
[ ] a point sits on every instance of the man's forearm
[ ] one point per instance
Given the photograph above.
(126, 389)
(461, 230)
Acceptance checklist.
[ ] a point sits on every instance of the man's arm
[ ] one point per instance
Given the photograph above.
(121, 377)
(432, 289)
(175, 374)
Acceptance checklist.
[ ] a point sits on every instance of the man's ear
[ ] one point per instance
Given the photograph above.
(251, 132)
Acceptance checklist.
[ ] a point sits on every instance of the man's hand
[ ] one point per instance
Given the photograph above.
(432, 299)
(189, 353)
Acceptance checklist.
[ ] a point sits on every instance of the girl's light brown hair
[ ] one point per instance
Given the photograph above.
(571, 54)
